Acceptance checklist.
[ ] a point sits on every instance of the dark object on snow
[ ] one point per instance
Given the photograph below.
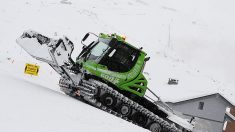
(172, 81)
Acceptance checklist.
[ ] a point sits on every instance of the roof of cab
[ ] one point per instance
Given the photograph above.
(119, 38)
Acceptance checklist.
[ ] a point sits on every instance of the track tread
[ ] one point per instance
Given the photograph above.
(94, 84)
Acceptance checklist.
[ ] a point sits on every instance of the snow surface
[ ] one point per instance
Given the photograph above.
(30, 107)
(188, 40)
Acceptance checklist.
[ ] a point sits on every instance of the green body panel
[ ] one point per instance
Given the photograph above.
(132, 81)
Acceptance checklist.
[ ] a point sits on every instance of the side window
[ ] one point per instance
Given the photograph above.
(201, 105)
(98, 50)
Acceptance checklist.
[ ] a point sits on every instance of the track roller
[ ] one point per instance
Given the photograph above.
(155, 127)
(140, 119)
(108, 100)
(125, 110)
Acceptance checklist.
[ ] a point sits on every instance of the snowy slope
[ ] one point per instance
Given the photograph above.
(27, 107)
(187, 40)
(170, 32)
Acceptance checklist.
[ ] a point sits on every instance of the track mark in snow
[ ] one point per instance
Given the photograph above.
(169, 8)
(88, 13)
(66, 2)
(141, 2)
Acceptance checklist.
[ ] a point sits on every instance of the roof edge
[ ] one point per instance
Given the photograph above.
(201, 96)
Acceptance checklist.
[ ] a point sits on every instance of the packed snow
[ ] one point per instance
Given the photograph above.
(191, 41)
(27, 107)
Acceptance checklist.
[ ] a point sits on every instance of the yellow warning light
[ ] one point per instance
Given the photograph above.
(123, 37)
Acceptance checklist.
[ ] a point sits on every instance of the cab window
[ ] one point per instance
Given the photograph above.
(98, 51)
(120, 58)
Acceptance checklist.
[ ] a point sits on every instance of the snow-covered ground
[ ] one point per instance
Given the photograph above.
(27, 107)
(188, 40)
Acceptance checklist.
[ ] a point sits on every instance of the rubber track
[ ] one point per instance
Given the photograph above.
(96, 84)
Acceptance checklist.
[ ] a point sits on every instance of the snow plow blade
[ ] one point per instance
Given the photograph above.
(57, 53)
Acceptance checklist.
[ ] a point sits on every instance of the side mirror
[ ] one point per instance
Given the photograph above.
(147, 59)
(85, 37)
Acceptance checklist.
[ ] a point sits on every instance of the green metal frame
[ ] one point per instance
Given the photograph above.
(132, 81)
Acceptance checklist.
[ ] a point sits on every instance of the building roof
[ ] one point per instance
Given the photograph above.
(203, 96)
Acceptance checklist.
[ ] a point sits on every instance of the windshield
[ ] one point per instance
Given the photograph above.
(98, 50)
